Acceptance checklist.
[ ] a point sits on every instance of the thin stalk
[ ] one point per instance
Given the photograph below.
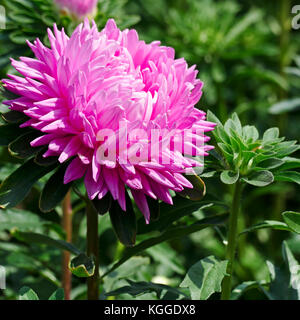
(93, 250)
(232, 240)
(67, 226)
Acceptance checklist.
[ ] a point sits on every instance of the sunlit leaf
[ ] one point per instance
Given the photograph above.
(205, 277)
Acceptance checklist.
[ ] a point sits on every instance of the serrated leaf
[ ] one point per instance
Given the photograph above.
(260, 178)
(229, 177)
(292, 219)
(205, 277)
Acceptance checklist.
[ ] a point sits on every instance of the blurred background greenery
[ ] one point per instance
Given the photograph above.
(248, 56)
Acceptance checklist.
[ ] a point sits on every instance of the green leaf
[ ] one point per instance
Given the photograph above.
(19, 219)
(26, 293)
(59, 294)
(260, 178)
(208, 174)
(82, 266)
(137, 288)
(21, 147)
(292, 219)
(16, 187)
(18, 37)
(239, 290)
(241, 26)
(229, 177)
(230, 127)
(290, 176)
(212, 118)
(293, 266)
(285, 106)
(237, 123)
(43, 239)
(154, 207)
(172, 233)
(130, 267)
(124, 222)
(171, 213)
(54, 190)
(270, 163)
(14, 117)
(221, 135)
(205, 277)
(265, 75)
(270, 135)
(268, 224)
(103, 205)
(285, 281)
(198, 191)
(9, 133)
(290, 163)
(250, 133)
(48, 161)
(29, 263)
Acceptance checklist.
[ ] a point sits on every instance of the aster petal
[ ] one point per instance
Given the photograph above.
(76, 169)
(141, 201)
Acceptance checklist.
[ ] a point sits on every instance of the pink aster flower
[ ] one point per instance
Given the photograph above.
(107, 92)
(79, 8)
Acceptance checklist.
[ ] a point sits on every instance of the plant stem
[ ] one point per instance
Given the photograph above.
(232, 240)
(93, 250)
(67, 226)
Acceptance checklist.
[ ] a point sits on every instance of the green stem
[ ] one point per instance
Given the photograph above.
(93, 250)
(232, 240)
